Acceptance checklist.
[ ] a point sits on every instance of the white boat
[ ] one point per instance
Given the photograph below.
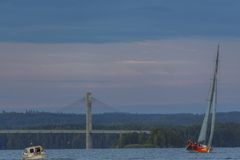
(34, 152)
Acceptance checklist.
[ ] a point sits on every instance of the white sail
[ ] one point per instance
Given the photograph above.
(203, 132)
(213, 121)
(214, 100)
(211, 111)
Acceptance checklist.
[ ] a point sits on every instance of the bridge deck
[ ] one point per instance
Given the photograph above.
(74, 131)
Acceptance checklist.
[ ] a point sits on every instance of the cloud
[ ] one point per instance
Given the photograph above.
(153, 62)
(138, 62)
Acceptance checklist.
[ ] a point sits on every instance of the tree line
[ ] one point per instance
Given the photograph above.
(226, 135)
(13, 120)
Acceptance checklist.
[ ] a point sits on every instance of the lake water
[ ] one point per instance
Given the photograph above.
(129, 154)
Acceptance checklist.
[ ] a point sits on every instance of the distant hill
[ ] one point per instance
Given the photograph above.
(43, 119)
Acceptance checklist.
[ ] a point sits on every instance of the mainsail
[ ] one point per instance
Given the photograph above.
(206, 136)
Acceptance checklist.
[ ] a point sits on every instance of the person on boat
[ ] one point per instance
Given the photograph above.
(193, 145)
(38, 150)
(189, 141)
(190, 144)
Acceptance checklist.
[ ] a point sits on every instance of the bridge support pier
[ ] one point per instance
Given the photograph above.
(88, 120)
(120, 140)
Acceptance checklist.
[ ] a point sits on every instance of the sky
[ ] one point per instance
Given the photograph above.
(140, 56)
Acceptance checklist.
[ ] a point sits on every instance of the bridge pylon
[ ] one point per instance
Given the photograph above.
(88, 103)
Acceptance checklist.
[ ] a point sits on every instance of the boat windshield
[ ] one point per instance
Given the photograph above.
(38, 149)
(31, 150)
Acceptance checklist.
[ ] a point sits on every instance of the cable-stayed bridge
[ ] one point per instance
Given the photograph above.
(88, 100)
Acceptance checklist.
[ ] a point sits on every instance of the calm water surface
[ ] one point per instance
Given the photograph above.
(129, 154)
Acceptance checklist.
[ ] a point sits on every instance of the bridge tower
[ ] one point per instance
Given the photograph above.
(88, 101)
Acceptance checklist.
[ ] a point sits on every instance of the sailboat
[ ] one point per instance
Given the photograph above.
(204, 143)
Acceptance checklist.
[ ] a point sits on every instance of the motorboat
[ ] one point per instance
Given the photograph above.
(34, 153)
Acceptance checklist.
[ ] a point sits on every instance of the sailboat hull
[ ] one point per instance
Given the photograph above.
(198, 148)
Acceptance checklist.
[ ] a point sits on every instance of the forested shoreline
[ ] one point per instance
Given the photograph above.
(162, 135)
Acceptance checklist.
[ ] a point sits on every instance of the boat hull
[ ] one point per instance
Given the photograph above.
(198, 148)
(34, 157)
